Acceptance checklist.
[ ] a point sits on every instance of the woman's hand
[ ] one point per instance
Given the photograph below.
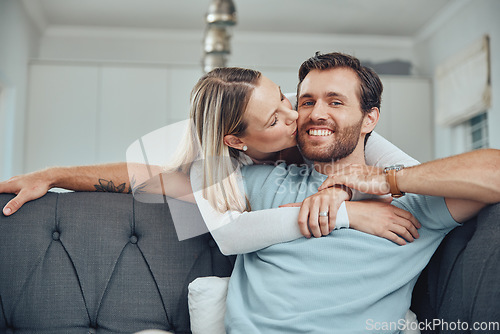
(367, 179)
(27, 187)
(326, 201)
(384, 220)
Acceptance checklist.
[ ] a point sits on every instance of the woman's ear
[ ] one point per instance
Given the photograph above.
(234, 142)
(370, 120)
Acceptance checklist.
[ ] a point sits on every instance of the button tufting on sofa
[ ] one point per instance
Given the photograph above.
(55, 235)
(133, 239)
(212, 243)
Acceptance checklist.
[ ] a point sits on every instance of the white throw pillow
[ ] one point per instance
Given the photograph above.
(207, 304)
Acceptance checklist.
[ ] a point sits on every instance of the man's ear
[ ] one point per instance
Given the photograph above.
(370, 120)
(234, 142)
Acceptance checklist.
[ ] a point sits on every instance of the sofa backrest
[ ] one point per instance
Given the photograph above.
(98, 261)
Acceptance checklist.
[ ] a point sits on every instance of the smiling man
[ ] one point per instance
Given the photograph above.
(329, 137)
(348, 281)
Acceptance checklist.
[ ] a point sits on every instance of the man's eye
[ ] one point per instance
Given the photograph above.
(336, 103)
(282, 97)
(307, 103)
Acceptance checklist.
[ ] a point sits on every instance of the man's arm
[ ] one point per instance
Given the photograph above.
(468, 181)
(107, 177)
(474, 176)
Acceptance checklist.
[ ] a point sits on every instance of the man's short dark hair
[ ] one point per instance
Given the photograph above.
(370, 92)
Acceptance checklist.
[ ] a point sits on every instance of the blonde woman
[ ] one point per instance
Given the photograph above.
(239, 117)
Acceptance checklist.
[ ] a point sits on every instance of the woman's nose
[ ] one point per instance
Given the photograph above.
(291, 116)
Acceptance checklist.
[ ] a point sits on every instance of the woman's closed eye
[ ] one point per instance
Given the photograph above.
(275, 119)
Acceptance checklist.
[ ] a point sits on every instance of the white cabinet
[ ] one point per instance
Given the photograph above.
(87, 114)
(62, 116)
(180, 83)
(406, 115)
(286, 79)
(133, 103)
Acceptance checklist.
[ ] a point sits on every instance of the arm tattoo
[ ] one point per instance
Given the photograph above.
(109, 186)
(135, 188)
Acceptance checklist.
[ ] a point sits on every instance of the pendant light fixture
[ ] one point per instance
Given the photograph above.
(221, 16)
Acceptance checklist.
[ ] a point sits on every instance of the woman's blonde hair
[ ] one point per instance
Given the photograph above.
(218, 103)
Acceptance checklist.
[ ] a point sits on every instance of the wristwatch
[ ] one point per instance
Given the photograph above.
(390, 173)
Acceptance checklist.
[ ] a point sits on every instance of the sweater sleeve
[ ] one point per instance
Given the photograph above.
(244, 232)
(382, 153)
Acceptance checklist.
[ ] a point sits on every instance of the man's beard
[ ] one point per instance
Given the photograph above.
(346, 140)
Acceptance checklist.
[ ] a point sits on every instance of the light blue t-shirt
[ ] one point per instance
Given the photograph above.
(346, 282)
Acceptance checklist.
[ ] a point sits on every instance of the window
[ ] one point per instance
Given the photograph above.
(478, 132)
(463, 87)
(463, 96)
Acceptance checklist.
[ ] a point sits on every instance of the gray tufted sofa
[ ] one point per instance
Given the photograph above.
(98, 263)
(105, 263)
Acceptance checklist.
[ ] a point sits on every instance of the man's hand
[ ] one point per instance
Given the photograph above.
(383, 220)
(27, 187)
(367, 179)
(328, 200)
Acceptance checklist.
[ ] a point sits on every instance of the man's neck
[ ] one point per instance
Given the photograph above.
(356, 157)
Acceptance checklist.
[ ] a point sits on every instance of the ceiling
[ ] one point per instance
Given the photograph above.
(366, 17)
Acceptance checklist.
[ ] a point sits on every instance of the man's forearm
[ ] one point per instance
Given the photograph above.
(474, 175)
(107, 178)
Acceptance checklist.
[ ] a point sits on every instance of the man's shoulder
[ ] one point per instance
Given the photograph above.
(431, 211)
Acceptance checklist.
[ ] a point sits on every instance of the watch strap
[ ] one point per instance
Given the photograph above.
(393, 185)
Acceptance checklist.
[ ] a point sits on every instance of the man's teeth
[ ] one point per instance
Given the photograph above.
(320, 132)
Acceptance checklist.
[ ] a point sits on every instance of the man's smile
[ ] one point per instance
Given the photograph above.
(320, 132)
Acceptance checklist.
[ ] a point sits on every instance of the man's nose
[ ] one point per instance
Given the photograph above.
(319, 111)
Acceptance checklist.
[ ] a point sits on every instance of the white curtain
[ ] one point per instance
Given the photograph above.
(463, 85)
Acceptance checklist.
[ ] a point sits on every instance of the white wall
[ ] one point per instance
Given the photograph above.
(464, 24)
(19, 40)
